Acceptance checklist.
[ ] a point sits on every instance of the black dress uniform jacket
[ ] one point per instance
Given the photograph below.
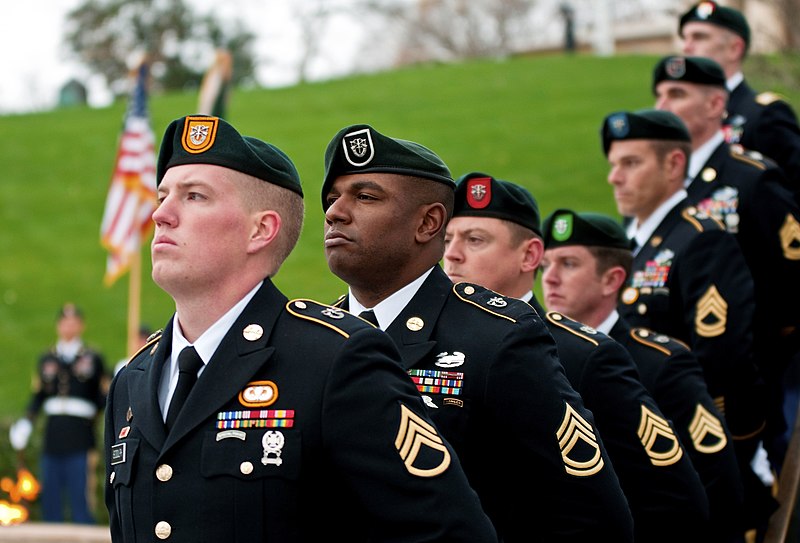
(71, 394)
(665, 493)
(672, 374)
(301, 428)
(746, 194)
(767, 124)
(690, 281)
(489, 372)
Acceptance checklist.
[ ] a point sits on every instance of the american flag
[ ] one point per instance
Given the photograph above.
(132, 192)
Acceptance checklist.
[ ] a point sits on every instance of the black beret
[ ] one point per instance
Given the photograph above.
(201, 139)
(480, 195)
(567, 227)
(699, 70)
(360, 148)
(69, 310)
(645, 124)
(713, 13)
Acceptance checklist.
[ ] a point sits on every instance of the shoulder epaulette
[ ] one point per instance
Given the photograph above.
(766, 98)
(700, 220)
(150, 342)
(492, 302)
(754, 158)
(337, 319)
(339, 301)
(579, 329)
(659, 342)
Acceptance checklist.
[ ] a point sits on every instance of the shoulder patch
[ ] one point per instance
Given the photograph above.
(753, 158)
(659, 342)
(340, 321)
(492, 302)
(766, 98)
(579, 329)
(700, 220)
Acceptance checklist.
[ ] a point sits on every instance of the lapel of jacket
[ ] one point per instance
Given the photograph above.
(699, 188)
(238, 357)
(656, 240)
(413, 327)
(143, 382)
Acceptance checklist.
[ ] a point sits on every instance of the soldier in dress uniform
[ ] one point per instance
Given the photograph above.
(301, 425)
(745, 192)
(495, 239)
(484, 363)
(762, 122)
(70, 389)
(586, 262)
(689, 278)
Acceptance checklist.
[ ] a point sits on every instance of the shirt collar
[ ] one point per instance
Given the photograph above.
(388, 310)
(701, 155)
(209, 340)
(609, 323)
(734, 81)
(641, 233)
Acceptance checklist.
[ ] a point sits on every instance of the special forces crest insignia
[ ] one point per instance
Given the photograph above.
(358, 147)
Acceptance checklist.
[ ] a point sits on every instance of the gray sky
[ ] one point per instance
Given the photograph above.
(34, 65)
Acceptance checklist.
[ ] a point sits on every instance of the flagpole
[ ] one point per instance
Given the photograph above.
(134, 302)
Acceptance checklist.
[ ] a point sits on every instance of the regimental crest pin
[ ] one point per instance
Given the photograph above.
(358, 147)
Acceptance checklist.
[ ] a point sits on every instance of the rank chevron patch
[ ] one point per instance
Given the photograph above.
(708, 434)
(712, 314)
(415, 436)
(660, 442)
(573, 432)
(790, 238)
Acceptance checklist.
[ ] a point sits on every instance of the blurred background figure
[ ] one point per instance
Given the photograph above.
(70, 389)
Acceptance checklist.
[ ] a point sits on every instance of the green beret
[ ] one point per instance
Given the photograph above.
(567, 227)
(69, 310)
(645, 124)
(201, 139)
(362, 149)
(480, 195)
(701, 70)
(713, 13)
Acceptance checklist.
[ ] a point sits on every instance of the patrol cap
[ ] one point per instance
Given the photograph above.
(567, 227)
(69, 309)
(645, 124)
(481, 195)
(701, 70)
(202, 139)
(359, 148)
(713, 13)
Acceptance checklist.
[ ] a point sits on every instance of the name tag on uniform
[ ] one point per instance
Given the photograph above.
(118, 454)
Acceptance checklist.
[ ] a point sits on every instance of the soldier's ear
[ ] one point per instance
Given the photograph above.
(433, 221)
(612, 280)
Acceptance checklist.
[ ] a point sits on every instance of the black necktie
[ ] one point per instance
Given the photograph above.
(189, 363)
(369, 316)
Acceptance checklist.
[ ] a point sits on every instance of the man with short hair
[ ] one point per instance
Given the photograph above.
(586, 263)
(484, 363)
(689, 278)
(762, 122)
(494, 239)
(255, 418)
(746, 193)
